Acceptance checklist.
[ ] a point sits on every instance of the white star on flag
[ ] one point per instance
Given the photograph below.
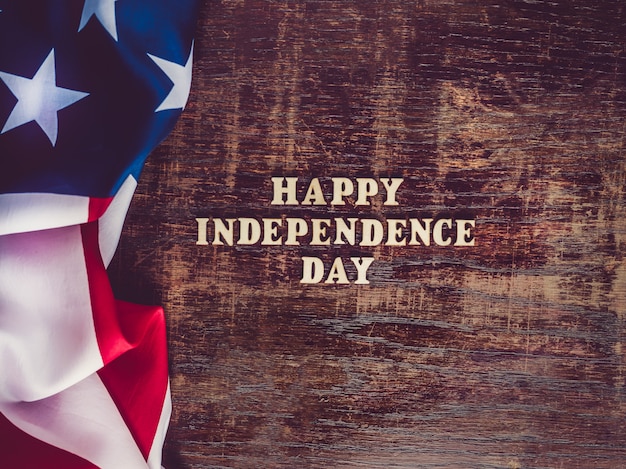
(104, 10)
(39, 99)
(180, 75)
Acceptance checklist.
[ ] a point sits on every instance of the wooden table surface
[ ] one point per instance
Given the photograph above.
(507, 354)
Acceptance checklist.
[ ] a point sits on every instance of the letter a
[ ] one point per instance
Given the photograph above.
(337, 273)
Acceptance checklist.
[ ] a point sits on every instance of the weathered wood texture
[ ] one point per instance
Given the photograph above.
(510, 354)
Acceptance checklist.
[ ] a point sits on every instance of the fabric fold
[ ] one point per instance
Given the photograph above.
(87, 90)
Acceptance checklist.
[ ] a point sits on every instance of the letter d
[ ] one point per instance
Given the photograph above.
(312, 270)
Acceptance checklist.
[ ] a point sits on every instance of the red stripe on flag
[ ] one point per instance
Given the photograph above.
(137, 380)
(133, 344)
(97, 206)
(111, 340)
(22, 451)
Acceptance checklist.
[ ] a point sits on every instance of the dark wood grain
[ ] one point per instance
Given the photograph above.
(509, 354)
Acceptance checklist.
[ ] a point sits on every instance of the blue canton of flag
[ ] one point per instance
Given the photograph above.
(87, 89)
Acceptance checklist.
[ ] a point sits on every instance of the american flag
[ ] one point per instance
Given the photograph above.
(87, 89)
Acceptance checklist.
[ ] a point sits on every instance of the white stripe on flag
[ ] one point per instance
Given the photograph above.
(110, 224)
(156, 452)
(20, 213)
(82, 420)
(47, 335)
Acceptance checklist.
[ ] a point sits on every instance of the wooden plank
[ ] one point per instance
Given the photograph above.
(507, 354)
